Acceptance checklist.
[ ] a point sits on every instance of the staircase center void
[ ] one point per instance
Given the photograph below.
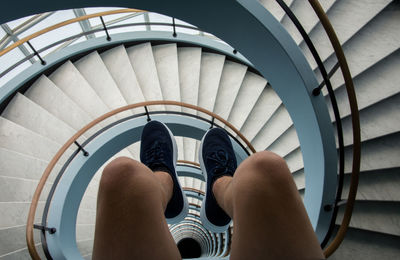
(189, 248)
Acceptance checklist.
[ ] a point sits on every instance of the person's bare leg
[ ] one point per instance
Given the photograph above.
(270, 221)
(130, 222)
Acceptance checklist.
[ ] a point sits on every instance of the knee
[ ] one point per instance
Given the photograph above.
(264, 167)
(267, 161)
(120, 173)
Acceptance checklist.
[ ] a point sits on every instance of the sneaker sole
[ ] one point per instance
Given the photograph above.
(203, 216)
(185, 209)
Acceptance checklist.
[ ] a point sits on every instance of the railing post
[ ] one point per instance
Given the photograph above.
(105, 28)
(212, 122)
(174, 27)
(36, 53)
(317, 90)
(43, 228)
(147, 114)
(85, 153)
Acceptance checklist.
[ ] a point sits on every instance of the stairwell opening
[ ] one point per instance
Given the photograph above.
(189, 248)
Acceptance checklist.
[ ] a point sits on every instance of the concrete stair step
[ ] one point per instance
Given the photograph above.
(251, 88)
(142, 60)
(279, 122)
(19, 139)
(92, 68)
(378, 153)
(267, 103)
(47, 95)
(376, 83)
(362, 244)
(211, 67)
(300, 179)
(295, 160)
(363, 12)
(376, 185)
(274, 8)
(119, 66)
(373, 123)
(22, 166)
(307, 17)
(374, 42)
(13, 243)
(378, 216)
(189, 62)
(285, 143)
(74, 85)
(28, 114)
(231, 79)
(210, 77)
(166, 60)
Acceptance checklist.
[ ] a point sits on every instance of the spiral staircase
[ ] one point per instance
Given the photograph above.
(39, 120)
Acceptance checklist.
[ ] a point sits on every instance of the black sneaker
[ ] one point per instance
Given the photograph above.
(217, 159)
(159, 152)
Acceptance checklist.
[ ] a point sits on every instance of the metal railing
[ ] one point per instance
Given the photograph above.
(342, 64)
(104, 28)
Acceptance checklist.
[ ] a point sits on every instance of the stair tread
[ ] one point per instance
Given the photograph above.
(378, 185)
(251, 88)
(266, 105)
(279, 122)
(375, 41)
(383, 75)
(166, 60)
(372, 123)
(286, 143)
(378, 153)
(363, 12)
(92, 68)
(46, 94)
(307, 17)
(19, 165)
(210, 76)
(231, 79)
(28, 114)
(378, 216)
(142, 60)
(361, 244)
(74, 85)
(120, 68)
(17, 138)
(189, 62)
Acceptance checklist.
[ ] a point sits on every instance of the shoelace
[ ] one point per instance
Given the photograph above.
(155, 154)
(224, 164)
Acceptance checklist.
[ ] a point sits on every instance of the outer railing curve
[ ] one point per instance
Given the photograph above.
(355, 125)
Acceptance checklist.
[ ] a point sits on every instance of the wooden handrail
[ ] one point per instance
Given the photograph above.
(189, 162)
(194, 190)
(64, 23)
(355, 124)
(32, 210)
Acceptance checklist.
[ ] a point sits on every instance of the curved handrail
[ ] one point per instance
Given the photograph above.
(76, 36)
(335, 108)
(194, 190)
(32, 210)
(189, 162)
(64, 23)
(355, 125)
